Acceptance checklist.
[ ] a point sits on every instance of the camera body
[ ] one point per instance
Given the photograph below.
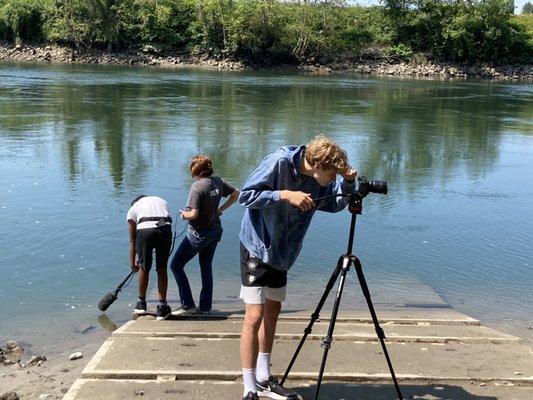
(364, 187)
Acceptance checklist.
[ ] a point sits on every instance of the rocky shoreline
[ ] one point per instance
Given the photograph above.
(149, 56)
(26, 376)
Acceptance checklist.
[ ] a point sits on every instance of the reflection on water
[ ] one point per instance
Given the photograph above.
(129, 118)
(106, 323)
(78, 142)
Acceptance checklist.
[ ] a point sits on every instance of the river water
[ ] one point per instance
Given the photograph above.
(77, 143)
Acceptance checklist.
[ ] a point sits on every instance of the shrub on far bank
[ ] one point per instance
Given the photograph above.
(526, 21)
(165, 23)
(481, 31)
(21, 20)
(120, 24)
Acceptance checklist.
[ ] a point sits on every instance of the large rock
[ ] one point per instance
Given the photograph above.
(9, 396)
(35, 361)
(13, 351)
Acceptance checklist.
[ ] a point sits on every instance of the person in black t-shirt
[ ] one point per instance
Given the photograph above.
(203, 234)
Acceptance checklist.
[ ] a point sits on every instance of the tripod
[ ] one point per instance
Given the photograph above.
(355, 206)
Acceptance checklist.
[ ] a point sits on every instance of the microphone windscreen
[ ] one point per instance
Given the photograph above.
(106, 301)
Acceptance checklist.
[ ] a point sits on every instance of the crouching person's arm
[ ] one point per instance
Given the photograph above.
(132, 228)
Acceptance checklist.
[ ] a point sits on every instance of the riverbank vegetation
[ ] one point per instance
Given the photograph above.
(526, 21)
(272, 32)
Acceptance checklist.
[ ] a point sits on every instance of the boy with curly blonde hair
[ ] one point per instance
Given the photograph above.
(278, 197)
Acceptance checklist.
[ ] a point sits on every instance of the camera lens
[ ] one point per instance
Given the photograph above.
(377, 186)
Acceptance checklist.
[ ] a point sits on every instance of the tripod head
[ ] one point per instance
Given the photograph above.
(355, 201)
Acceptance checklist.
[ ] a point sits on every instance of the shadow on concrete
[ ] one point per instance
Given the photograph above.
(344, 391)
(217, 315)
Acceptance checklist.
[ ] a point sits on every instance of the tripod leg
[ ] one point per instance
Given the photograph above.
(326, 343)
(314, 317)
(379, 330)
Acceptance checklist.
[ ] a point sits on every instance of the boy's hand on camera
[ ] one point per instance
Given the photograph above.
(349, 175)
(298, 199)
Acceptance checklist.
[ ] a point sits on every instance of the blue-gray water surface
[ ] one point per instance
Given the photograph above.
(77, 143)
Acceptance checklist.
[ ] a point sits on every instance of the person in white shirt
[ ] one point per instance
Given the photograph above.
(150, 228)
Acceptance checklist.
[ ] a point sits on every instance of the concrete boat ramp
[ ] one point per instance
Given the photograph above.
(437, 354)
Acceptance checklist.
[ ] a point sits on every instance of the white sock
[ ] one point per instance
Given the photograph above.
(263, 367)
(248, 377)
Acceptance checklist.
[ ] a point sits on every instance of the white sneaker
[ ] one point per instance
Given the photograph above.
(140, 308)
(272, 389)
(184, 311)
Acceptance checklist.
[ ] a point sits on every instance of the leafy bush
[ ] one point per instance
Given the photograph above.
(21, 20)
(401, 51)
(255, 28)
(526, 22)
(481, 31)
(163, 22)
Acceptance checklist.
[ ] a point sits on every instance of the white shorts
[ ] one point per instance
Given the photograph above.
(258, 294)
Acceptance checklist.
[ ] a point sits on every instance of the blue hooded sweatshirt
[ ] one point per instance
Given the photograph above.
(271, 229)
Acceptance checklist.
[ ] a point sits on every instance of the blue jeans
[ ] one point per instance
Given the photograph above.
(204, 243)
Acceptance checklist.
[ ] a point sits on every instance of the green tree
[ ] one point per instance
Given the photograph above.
(105, 22)
(21, 20)
(69, 22)
(256, 28)
(482, 31)
(527, 8)
(165, 23)
(397, 13)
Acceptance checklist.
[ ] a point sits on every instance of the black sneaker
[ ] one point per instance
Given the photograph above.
(271, 388)
(251, 396)
(140, 308)
(163, 312)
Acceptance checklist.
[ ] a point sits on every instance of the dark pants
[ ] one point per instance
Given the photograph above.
(150, 239)
(203, 243)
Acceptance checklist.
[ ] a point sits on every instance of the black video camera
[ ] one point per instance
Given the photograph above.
(371, 186)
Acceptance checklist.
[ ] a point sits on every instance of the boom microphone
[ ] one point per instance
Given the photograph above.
(110, 298)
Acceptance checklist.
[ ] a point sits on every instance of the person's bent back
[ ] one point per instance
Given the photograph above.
(150, 228)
